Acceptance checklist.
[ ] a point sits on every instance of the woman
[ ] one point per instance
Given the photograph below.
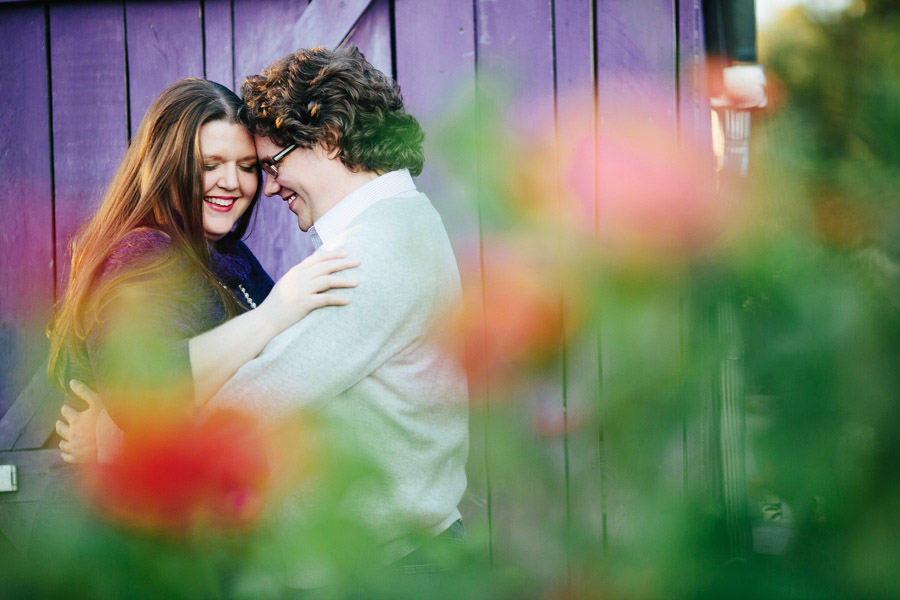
(157, 315)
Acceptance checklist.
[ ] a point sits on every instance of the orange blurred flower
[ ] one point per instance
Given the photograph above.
(512, 322)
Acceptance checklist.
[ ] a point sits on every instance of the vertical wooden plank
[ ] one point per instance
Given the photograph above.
(26, 229)
(164, 45)
(515, 43)
(636, 79)
(576, 133)
(515, 50)
(90, 129)
(636, 53)
(372, 34)
(435, 58)
(218, 52)
(435, 47)
(693, 97)
(694, 130)
(260, 31)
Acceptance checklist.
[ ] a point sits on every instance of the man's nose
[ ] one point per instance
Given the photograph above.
(271, 188)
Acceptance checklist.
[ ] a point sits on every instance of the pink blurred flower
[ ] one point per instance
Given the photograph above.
(627, 186)
(655, 197)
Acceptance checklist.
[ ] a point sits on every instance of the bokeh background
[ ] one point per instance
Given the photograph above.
(683, 377)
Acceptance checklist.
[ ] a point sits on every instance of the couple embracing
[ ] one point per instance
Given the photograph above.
(160, 271)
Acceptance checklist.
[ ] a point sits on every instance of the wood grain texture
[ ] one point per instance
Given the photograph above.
(90, 130)
(164, 45)
(26, 229)
(436, 72)
(636, 55)
(576, 132)
(16, 521)
(33, 468)
(435, 55)
(38, 398)
(260, 31)
(694, 130)
(372, 34)
(693, 96)
(516, 53)
(326, 23)
(219, 42)
(19, 509)
(637, 79)
(515, 45)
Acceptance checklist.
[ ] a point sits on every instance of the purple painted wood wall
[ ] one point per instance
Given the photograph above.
(78, 77)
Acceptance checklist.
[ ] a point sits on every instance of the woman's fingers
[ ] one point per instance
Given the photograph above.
(328, 282)
(328, 261)
(62, 428)
(323, 255)
(337, 264)
(330, 267)
(69, 413)
(320, 300)
(85, 393)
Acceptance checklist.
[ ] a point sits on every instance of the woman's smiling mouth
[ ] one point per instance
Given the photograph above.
(220, 203)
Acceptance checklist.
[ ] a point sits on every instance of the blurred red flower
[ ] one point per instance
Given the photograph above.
(177, 475)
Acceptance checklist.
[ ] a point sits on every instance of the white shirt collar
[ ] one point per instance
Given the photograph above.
(390, 185)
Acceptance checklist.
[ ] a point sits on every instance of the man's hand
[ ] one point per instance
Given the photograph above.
(78, 429)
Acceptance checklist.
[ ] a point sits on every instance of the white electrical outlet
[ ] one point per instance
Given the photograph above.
(8, 481)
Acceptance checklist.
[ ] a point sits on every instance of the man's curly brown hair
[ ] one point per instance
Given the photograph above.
(338, 99)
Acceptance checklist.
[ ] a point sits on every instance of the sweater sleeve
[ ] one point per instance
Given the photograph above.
(334, 348)
(138, 347)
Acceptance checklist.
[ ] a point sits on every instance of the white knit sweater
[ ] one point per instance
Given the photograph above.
(371, 369)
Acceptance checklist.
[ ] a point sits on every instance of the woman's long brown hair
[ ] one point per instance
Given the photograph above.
(159, 185)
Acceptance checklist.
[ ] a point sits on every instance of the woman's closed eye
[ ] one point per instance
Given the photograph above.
(250, 167)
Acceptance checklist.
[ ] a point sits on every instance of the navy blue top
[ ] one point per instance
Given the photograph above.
(138, 347)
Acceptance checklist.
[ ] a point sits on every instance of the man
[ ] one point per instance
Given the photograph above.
(335, 141)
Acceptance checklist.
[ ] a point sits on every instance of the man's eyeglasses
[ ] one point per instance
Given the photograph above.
(270, 166)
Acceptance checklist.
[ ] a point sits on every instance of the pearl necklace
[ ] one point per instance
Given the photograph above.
(243, 291)
(247, 296)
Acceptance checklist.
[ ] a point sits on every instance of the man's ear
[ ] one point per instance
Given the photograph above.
(331, 143)
(333, 153)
